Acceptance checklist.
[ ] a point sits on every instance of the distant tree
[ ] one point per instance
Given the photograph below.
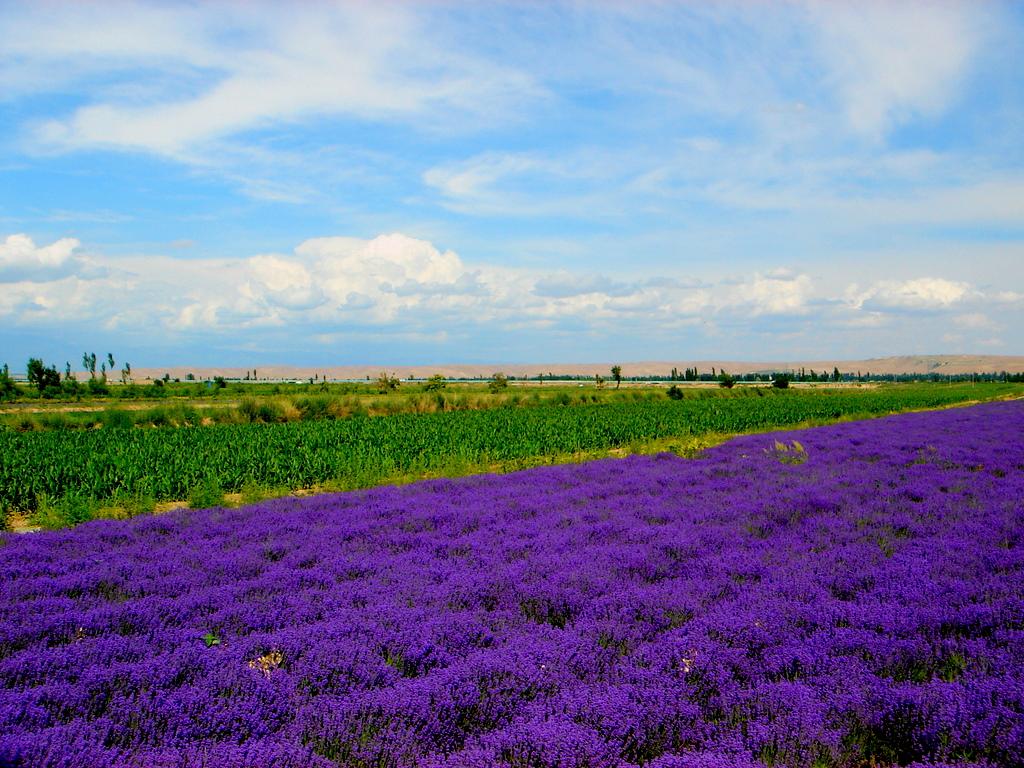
(70, 384)
(220, 382)
(126, 373)
(781, 381)
(725, 380)
(498, 382)
(41, 375)
(675, 392)
(599, 380)
(8, 388)
(435, 383)
(617, 375)
(836, 375)
(190, 377)
(110, 359)
(387, 383)
(89, 362)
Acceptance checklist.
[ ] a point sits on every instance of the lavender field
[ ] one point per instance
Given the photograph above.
(849, 595)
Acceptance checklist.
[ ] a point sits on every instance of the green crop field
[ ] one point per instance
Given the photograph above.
(70, 467)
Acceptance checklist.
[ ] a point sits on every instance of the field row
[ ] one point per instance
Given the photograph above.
(855, 602)
(315, 406)
(172, 463)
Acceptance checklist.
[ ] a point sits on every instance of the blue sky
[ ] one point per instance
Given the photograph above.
(454, 182)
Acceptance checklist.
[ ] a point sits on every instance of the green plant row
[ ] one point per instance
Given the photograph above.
(170, 463)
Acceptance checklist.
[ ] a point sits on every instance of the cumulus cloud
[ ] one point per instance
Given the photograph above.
(774, 294)
(283, 282)
(925, 293)
(398, 287)
(387, 282)
(21, 259)
(390, 270)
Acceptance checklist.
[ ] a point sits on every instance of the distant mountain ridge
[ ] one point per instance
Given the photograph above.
(909, 364)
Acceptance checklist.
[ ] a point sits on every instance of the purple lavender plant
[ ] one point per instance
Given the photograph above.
(857, 602)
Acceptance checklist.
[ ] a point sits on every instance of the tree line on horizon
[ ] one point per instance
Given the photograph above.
(47, 381)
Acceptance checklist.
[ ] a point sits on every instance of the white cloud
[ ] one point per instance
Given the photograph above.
(283, 282)
(391, 270)
(774, 294)
(396, 287)
(204, 74)
(21, 259)
(1008, 297)
(925, 293)
(892, 61)
(474, 177)
(579, 183)
(390, 281)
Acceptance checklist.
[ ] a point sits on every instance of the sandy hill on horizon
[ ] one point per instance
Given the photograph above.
(911, 364)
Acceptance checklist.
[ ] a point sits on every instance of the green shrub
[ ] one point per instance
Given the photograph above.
(270, 413)
(435, 382)
(206, 494)
(56, 421)
(249, 409)
(142, 503)
(314, 407)
(26, 423)
(69, 510)
(98, 387)
(158, 417)
(117, 419)
(387, 383)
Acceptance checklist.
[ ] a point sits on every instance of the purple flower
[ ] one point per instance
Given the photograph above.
(860, 605)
